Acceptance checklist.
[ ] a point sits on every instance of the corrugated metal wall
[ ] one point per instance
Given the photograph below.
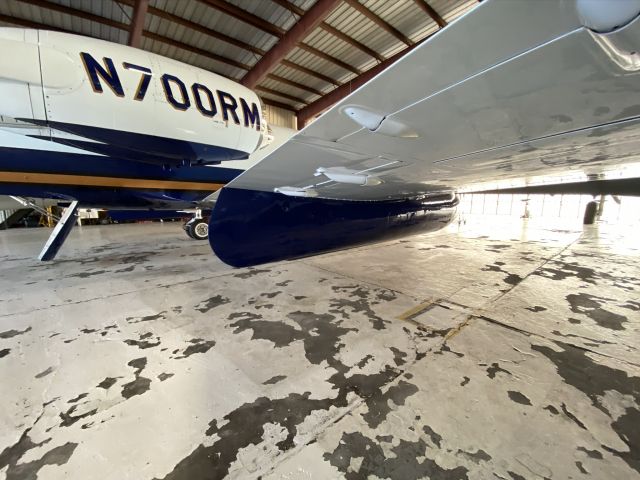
(280, 117)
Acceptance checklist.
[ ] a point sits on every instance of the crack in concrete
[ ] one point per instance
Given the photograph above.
(105, 297)
(353, 405)
(482, 310)
(478, 312)
(534, 334)
(358, 280)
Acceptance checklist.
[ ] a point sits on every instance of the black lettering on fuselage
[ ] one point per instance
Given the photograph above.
(209, 109)
(95, 72)
(251, 115)
(145, 79)
(228, 104)
(183, 104)
(175, 91)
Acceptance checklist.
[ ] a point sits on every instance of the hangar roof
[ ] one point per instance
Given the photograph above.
(292, 52)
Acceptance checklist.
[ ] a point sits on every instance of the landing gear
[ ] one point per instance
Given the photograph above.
(198, 227)
(61, 230)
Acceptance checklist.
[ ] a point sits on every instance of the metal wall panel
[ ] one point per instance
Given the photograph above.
(280, 117)
(297, 76)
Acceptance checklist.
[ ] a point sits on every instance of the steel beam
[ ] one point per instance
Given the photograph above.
(297, 85)
(292, 7)
(332, 30)
(160, 38)
(329, 58)
(616, 186)
(351, 41)
(199, 51)
(197, 27)
(310, 72)
(429, 10)
(307, 23)
(29, 24)
(278, 93)
(355, 4)
(112, 23)
(244, 16)
(320, 105)
(230, 40)
(76, 13)
(273, 103)
(137, 23)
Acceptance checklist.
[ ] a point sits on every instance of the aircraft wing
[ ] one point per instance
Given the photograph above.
(515, 92)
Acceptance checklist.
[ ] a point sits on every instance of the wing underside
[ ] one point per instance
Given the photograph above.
(512, 94)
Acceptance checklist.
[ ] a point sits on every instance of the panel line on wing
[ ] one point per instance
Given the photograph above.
(464, 80)
(544, 137)
(485, 70)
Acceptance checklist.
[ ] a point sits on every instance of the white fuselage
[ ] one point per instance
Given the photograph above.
(79, 87)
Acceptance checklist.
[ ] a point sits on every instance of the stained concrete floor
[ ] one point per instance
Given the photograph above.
(487, 351)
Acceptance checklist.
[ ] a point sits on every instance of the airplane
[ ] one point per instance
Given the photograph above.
(79, 124)
(515, 95)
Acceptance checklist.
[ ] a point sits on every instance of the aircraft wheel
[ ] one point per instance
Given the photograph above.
(199, 230)
(187, 227)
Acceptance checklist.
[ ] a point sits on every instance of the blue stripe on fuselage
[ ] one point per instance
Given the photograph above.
(151, 148)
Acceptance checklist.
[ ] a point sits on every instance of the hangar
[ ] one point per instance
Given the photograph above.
(423, 217)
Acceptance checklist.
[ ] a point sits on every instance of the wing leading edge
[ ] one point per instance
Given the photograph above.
(512, 92)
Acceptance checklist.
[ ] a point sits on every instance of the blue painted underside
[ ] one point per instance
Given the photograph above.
(44, 161)
(249, 227)
(41, 161)
(107, 197)
(141, 147)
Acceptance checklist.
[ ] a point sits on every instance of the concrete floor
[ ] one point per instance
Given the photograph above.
(496, 352)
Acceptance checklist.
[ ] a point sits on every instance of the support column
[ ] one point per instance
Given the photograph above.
(60, 233)
(600, 207)
(590, 212)
(137, 23)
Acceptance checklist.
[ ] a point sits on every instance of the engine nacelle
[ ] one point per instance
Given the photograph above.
(126, 102)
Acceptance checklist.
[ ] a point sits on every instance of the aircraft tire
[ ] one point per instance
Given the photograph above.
(198, 230)
(187, 228)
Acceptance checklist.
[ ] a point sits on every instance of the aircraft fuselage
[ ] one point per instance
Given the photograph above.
(114, 126)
